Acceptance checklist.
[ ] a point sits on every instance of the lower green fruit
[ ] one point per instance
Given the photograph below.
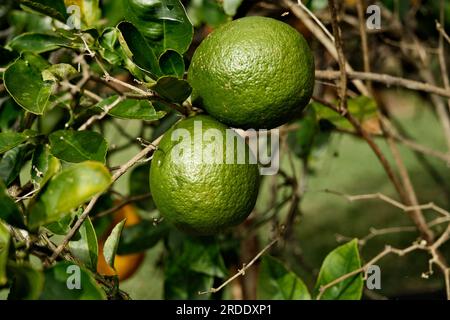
(199, 192)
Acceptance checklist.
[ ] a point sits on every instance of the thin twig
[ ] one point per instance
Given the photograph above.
(100, 116)
(341, 56)
(376, 149)
(124, 168)
(364, 43)
(395, 203)
(300, 13)
(88, 93)
(122, 204)
(385, 79)
(241, 272)
(387, 250)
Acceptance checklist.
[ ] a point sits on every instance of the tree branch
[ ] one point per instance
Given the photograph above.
(124, 168)
(385, 79)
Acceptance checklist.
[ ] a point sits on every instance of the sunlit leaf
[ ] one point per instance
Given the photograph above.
(78, 146)
(67, 190)
(112, 243)
(340, 261)
(276, 282)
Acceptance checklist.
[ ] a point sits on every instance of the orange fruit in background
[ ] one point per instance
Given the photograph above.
(125, 265)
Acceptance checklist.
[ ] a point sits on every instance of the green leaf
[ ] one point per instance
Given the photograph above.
(141, 236)
(192, 266)
(138, 50)
(52, 8)
(35, 95)
(337, 263)
(163, 23)
(230, 6)
(4, 250)
(207, 11)
(78, 146)
(68, 281)
(276, 282)
(43, 166)
(131, 109)
(63, 226)
(9, 211)
(12, 162)
(109, 46)
(362, 108)
(172, 89)
(27, 283)
(112, 243)
(139, 184)
(172, 64)
(10, 140)
(67, 190)
(301, 140)
(58, 72)
(38, 42)
(86, 248)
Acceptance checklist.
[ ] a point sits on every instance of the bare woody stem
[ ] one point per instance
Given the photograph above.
(341, 57)
(385, 79)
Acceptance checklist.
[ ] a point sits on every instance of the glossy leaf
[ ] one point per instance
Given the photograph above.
(38, 42)
(230, 6)
(172, 89)
(9, 140)
(35, 95)
(52, 8)
(112, 243)
(11, 163)
(66, 191)
(5, 238)
(362, 108)
(142, 236)
(276, 282)
(68, 281)
(78, 146)
(9, 211)
(138, 50)
(131, 109)
(192, 267)
(337, 263)
(109, 46)
(172, 64)
(163, 23)
(27, 282)
(43, 166)
(86, 248)
(58, 72)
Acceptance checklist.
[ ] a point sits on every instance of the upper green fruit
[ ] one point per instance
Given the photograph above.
(199, 197)
(253, 72)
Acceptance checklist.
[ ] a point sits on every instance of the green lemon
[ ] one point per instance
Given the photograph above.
(253, 72)
(196, 180)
